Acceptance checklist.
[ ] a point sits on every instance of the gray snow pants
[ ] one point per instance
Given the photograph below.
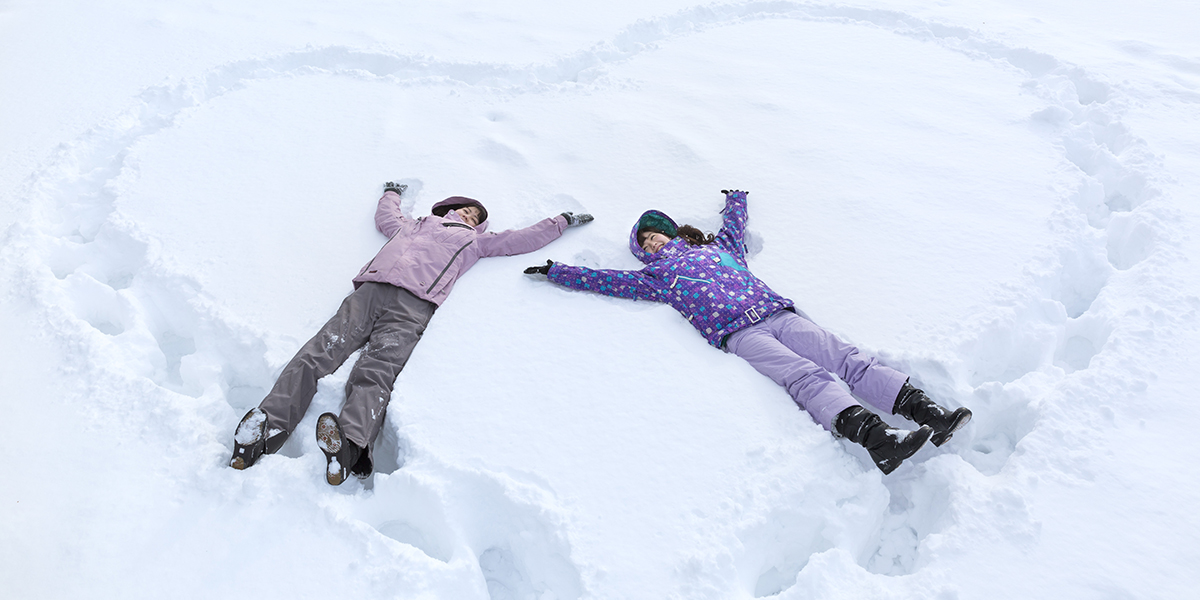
(389, 320)
(804, 358)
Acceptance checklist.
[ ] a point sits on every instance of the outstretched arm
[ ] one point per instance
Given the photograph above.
(389, 215)
(633, 285)
(732, 236)
(520, 241)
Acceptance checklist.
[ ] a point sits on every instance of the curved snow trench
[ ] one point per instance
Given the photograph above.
(151, 330)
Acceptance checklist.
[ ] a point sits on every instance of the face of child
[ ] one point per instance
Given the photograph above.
(469, 214)
(652, 241)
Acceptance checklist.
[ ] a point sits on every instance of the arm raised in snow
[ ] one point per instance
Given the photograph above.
(389, 215)
(633, 285)
(732, 236)
(520, 241)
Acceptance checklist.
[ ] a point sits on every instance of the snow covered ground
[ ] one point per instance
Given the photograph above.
(998, 198)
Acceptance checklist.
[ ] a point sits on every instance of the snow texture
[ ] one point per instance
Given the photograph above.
(250, 429)
(996, 198)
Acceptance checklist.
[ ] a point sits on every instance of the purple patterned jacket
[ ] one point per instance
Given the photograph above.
(710, 285)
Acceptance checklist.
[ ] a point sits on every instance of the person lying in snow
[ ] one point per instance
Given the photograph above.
(394, 298)
(705, 278)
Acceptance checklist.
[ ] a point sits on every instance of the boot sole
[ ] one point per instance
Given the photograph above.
(249, 439)
(329, 439)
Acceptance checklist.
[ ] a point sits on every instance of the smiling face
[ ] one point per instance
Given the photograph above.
(652, 241)
(469, 214)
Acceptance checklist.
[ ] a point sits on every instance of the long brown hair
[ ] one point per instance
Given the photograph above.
(694, 236)
(690, 234)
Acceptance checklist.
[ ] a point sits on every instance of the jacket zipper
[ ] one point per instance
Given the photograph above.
(457, 225)
(439, 277)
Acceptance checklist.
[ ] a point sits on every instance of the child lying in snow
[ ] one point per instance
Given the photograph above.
(395, 296)
(706, 279)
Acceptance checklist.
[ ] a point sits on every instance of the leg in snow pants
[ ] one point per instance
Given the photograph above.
(797, 354)
(389, 320)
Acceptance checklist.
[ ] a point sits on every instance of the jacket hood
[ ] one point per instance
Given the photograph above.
(441, 209)
(658, 220)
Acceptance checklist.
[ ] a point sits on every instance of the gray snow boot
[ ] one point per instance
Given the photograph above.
(341, 454)
(253, 438)
(888, 447)
(914, 405)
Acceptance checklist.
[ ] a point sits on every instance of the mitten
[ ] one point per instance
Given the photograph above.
(543, 269)
(575, 220)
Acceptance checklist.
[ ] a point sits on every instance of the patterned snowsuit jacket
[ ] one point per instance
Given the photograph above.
(710, 285)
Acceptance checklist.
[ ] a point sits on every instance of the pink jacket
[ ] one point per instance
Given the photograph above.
(427, 255)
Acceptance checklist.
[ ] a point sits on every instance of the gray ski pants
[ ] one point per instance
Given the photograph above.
(389, 320)
(804, 358)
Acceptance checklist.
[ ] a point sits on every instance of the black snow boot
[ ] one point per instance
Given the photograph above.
(253, 438)
(914, 405)
(888, 447)
(341, 454)
(364, 466)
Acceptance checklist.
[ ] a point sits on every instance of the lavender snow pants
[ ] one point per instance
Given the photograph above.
(797, 354)
(390, 321)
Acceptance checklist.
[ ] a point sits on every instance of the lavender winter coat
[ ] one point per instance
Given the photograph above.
(710, 285)
(427, 255)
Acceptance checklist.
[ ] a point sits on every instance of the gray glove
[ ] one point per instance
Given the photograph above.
(392, 186)
(575, 220)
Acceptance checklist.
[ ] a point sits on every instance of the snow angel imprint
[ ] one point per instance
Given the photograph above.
(706, 279)
(395, 296)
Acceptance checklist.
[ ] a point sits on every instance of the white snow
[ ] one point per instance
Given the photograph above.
(997, 197)
(249, 430)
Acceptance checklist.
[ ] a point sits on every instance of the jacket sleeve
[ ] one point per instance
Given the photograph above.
(634, 285)
(520, 241)
(388, 217)
(732, 236)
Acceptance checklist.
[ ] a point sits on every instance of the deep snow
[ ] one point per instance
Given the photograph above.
(997, 198)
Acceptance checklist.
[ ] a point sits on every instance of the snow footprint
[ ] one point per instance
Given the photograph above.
(1081, 340)
(511, 532)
